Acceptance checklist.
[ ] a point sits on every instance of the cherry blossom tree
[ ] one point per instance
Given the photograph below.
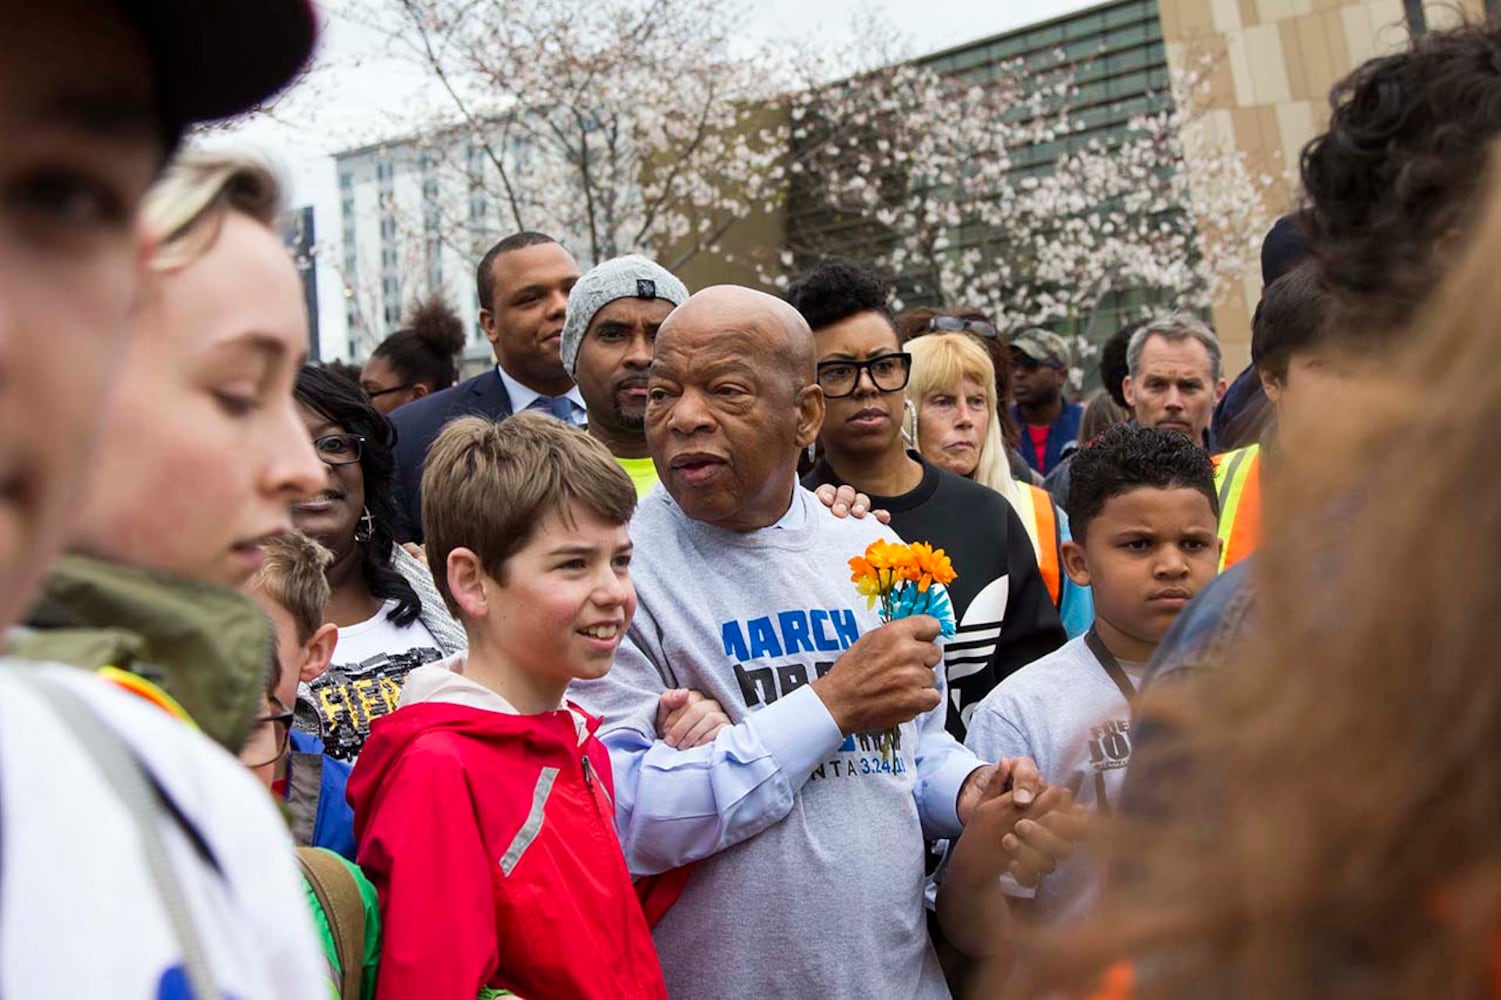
(996, 197)
(658, 126)
(617, 125)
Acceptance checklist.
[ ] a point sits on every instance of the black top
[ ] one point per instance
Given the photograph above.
(1006, 618)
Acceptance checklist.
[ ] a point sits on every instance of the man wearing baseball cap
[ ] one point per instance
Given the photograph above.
(1040, 362)
(613, 315)
(139, 859)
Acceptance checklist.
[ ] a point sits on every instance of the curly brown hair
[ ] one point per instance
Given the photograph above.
(1397, 173)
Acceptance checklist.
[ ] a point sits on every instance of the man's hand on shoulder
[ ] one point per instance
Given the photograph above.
(686, 718)
(847, 502)
(886, 678)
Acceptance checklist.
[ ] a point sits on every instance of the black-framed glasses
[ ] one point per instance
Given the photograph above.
(339, 449)
(269, 736)
(956, 324)
(888, 373)
(374, 393)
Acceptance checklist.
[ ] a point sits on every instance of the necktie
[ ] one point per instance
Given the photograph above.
(559, 406)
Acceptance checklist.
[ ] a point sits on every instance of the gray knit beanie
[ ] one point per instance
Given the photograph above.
(628, 277)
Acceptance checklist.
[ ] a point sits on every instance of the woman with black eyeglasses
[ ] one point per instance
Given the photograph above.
(390, 616)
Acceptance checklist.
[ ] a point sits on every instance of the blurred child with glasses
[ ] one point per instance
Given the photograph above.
(292, 590)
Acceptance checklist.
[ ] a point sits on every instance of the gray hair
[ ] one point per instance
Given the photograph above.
(1175, 327)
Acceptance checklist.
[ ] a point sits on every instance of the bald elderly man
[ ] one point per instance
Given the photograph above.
(807, 839)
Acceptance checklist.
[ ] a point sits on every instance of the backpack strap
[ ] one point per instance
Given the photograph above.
(344, 909)
(146, 803)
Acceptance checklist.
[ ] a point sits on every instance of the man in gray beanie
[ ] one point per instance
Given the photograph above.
(613, 314)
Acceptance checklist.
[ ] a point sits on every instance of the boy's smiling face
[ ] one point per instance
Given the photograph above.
(1146, 554)
(564, 600)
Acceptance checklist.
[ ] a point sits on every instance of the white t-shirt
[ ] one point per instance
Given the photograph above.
(364, 679)
(80, 915)
(1065, 713)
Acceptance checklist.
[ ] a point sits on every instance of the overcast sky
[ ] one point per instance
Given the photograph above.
(352, 99)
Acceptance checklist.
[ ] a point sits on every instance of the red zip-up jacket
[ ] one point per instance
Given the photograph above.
(491, 840)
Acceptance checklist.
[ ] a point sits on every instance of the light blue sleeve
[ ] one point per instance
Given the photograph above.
(1076, 604)
(673, 806)
(942, 765)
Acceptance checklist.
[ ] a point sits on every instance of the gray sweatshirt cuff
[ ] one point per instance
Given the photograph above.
(798, 732)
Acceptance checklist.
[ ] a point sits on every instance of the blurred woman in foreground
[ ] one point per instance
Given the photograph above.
(1334, 834)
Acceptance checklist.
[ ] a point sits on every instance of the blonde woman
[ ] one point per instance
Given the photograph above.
(954, 423)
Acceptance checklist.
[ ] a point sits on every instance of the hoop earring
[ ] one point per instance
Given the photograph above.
(909, 431)
(366, 529)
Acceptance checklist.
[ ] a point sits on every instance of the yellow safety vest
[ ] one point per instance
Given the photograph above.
(1237, 481)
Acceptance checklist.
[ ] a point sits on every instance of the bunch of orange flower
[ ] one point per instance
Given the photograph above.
(907, 580)
(886, 565)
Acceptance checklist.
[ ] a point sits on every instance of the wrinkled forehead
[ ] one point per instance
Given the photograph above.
(1164, 358)
(694, 338)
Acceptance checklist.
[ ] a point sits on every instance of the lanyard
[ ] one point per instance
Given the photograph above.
(1111, 665)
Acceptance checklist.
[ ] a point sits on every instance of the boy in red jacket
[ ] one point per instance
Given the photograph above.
(483, 807)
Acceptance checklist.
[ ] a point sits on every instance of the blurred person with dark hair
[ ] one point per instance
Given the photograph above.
(954, 426)
(1005, 615)
(1299, 370)
(417, 360)
(1244, 412)
(390, 616)
(522, 283)
(1392, 190)
(1113, 366)
(139, 859)
(1040, 364)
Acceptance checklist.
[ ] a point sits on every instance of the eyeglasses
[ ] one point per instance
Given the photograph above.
(955, 324)
(269, 735)
(373, 393)
(888, 373)
(339, 449)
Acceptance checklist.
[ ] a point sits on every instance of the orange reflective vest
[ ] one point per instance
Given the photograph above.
(1035, 507)
(1237, 481)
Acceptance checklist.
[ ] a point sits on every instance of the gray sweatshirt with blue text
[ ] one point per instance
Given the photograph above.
(806, 845)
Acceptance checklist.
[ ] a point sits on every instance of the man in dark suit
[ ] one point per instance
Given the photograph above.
(523, 283)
